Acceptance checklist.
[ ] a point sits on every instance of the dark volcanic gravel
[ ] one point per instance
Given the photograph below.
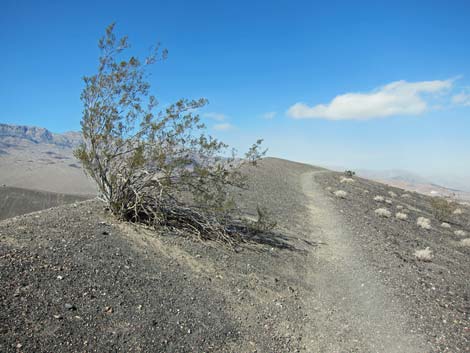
(74, 280)
(437, 292)
(73, 283)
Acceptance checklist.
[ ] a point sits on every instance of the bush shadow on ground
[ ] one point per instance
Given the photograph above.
(274, 239)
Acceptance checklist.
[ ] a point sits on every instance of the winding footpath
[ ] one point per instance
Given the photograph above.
(351, 310)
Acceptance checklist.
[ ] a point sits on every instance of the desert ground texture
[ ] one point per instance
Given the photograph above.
(337, 276)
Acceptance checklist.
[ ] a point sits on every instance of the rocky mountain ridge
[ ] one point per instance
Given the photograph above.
(39, 135)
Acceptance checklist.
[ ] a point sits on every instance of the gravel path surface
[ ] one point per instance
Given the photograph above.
(435, 293)
(354, 311)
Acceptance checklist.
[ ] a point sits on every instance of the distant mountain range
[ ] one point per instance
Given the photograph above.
(35, 158)
(38, 135)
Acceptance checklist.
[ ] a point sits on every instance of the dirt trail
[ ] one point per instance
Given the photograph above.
(351, 310)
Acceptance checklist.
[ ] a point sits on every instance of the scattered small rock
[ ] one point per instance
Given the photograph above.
(69, 306)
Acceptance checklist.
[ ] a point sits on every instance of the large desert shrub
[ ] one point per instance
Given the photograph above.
(156, 167)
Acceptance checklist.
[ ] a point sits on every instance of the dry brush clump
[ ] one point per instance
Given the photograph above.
(341, 194)
(383, 212)
(343, 180)
(423, 222)
(379, 198)
(445, 225)
(401, 216)
(465, 242)
(425, 255)
(159, 168)
(460, 233)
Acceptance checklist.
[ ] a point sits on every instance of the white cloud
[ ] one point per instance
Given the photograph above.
(223, 127)
(461, 99)
(396, 98)
(269, 115)
(215, 116)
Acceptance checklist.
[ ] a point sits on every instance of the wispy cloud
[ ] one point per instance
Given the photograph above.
(396, 98)
(269, 115)
(461, 98)
(215, 116)
(223, 127)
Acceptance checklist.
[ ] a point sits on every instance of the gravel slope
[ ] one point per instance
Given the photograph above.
(436, 294)
(74, 280)
(17, 201)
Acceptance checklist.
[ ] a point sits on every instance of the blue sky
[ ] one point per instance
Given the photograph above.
(359, 84)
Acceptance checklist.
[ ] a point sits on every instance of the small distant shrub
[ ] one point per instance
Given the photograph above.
(341, 194)
(465, 242)
(399, 207)
(460, 233)
(445, 225)
(458, 211)
(346, 180)
(388, 201)
(441, 208)
(405, 196)
(383, 212)
(379, 198)
(366, 191)
(424, 223)
(424, 255)
(329, 188)
(401, 216)
(349, 173)
(392, 194)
